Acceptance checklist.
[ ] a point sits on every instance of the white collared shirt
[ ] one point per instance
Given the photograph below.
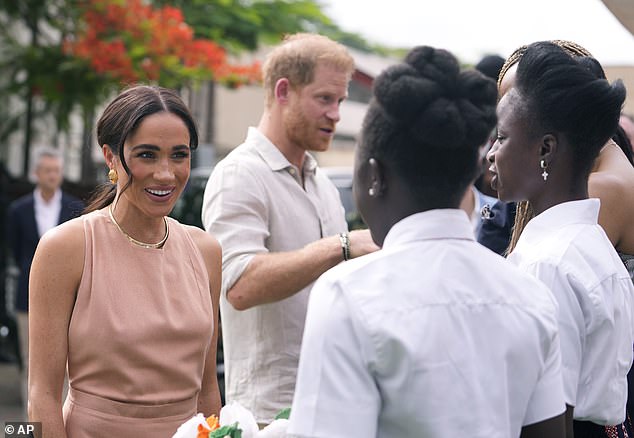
(255, 203)
(566, 248)
(432, 336)
(47, 212)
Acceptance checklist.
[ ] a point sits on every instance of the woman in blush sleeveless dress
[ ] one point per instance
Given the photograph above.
(124, 296)
(136, 333)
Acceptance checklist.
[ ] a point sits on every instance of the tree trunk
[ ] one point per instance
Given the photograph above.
(88, 172)
(211, 102)
(208, 137)
(28, 121)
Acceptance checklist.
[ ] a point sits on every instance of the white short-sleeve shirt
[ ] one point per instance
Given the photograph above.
(567, 250)
(433, 336)
(255, 203)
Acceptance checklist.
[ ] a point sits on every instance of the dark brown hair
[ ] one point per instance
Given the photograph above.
(122, 117)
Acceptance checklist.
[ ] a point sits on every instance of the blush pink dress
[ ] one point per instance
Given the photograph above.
(139, 335)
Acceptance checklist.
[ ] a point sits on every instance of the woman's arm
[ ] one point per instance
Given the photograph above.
(555, 427)
(209, 397)
(55, 274)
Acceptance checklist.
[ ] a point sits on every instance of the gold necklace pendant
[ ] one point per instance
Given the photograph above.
(138, 242)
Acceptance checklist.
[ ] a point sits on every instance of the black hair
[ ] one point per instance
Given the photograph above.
(623, 141)
(619, 136)
(490, 66)
(121, 118)
(428, 119)
(566, 95)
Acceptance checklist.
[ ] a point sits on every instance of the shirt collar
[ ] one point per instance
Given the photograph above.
(272, 155)
(431, 225)
(37, 196)
(585, 211)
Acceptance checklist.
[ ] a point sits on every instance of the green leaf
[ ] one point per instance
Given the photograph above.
(232, 431)
(284, 414)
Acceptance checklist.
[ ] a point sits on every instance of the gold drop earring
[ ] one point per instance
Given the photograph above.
(113, 176)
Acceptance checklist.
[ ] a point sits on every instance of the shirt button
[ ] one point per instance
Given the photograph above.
(291, 171)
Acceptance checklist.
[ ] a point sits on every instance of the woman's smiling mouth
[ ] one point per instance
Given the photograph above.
(161, 193)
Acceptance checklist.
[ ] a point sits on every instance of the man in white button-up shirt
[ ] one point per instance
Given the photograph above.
(279, 220)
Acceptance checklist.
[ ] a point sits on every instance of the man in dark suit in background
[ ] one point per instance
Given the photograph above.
(29, 218)
(498, 219)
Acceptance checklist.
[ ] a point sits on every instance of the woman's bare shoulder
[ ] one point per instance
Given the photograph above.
(61, 250)
(207, 243)
(616, 194)
(67, 235)
(609, 186)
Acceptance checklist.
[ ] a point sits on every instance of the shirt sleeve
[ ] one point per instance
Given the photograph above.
(547, 400)
(571, 326)
(235, 211)
(336, 394)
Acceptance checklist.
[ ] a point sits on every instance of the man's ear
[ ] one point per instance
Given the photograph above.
(282, 90)
(377, 177)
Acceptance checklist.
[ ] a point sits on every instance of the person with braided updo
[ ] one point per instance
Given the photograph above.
(434, 335)
(610, 180)
(552, 124)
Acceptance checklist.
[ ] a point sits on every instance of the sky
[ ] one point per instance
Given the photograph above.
(473, 28)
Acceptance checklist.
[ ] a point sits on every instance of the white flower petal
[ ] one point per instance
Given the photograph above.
(233, 412)
(189, 429)
(277, 429)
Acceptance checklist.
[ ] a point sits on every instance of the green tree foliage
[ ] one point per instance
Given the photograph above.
(41, 77)
(30, 57)
(245, 24)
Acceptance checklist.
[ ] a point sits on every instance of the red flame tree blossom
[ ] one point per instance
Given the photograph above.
(127, 41)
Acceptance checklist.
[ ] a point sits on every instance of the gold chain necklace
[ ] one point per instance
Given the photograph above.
(138, 242)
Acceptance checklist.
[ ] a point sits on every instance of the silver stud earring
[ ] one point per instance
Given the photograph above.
(371, 191)
(542, 164)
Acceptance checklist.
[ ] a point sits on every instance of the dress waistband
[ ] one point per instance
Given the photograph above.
(135, 410)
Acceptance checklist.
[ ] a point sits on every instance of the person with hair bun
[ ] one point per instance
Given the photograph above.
(124, 295)
(552, 125)
(434, 335)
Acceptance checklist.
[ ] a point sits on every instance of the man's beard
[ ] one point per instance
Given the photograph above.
(303, 132)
